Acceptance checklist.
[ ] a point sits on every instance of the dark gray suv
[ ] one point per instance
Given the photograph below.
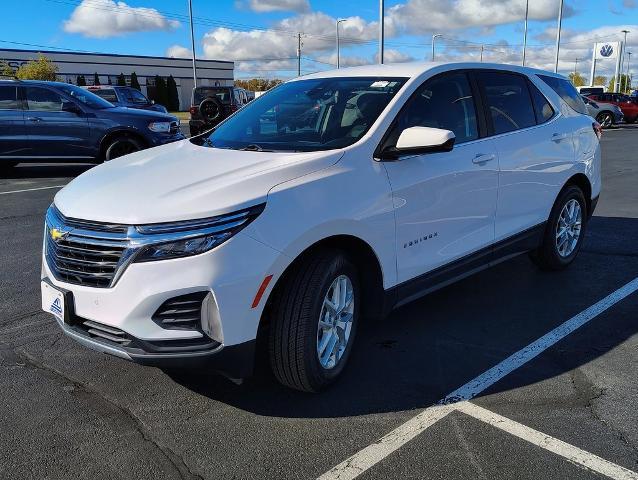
(54, 121)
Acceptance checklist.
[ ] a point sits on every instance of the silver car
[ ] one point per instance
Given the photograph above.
(606, 114)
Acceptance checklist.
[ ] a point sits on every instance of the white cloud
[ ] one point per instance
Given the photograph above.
(177, 51)
(107, 18)
(394, 56)
(262, 6)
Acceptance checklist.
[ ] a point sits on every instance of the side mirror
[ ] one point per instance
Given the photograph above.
(421, 140)
(71, 108)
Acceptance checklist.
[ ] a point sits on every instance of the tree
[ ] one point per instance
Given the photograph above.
(96, 79)
(39, 69)
(173, 95)
(121, 80)
(577, 79)
(5, 70)
(258, 84)
(135, 82)
(80, 81)
(600, 80)
(109, 82)
(160, 93)
(624, 84)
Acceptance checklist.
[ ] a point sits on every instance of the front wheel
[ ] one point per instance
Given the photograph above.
(564, 232)
(314, 321)
(120, 146)
(605, 119)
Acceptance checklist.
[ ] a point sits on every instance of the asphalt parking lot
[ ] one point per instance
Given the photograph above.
(567, 409)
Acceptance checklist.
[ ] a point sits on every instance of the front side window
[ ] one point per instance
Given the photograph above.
(43, 100)
(566, 91)
(308, 115)
(508, 101)
(444, 102)
(9, 98)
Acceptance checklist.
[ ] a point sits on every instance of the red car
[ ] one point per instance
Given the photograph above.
(624, 102)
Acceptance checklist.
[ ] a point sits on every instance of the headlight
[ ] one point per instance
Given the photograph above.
(162, 241)
(160, 127)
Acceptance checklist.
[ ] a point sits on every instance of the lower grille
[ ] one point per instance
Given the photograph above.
(102, 332)
(181, 313)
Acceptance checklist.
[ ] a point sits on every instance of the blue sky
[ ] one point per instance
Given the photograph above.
(260, 34)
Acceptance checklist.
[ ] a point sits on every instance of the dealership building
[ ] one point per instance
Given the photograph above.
(110, 66)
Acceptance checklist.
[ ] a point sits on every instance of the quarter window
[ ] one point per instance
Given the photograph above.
(9, 98)
(542, 107)
(444, 102)
(43, 99)
(508, 101)
(566, 91)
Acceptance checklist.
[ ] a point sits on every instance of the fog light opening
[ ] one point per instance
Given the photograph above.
(211, 323)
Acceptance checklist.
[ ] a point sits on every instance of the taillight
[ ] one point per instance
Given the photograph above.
(598, 130)
(193, 110)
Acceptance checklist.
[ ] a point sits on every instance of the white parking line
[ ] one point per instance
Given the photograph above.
(573, 454)
(369, 456)
(31, 189)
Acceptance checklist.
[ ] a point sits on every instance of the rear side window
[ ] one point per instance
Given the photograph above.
(222, 94)
(542, 107)
(566, 91)
(508, 100)
(9, 98)
(107, 94)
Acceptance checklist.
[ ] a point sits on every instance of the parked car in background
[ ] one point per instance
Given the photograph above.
(211, 105)
(606, 114)
(395, 180)
(125, 97)
(54, 121)
(624, 102)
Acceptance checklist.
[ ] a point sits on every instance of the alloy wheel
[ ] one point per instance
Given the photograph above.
(335, 322)
(568, 228)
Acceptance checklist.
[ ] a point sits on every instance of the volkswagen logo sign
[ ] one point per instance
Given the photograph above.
(607, 50)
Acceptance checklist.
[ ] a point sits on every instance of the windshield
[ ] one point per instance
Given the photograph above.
(222, 94)
(307, 115)
(85, 97)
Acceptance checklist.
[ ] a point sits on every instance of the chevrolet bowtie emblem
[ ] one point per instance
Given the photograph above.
(57, 234)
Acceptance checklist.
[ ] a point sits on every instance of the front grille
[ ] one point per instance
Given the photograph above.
(106, 333)
(181, 313)
(84, 253)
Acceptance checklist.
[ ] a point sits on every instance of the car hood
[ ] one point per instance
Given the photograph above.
(182, 181)
(142, 113)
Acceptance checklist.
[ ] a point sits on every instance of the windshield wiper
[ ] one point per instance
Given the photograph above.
(253, 147)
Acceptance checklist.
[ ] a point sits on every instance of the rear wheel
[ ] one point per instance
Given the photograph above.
(605, 119)
(120, 146)
(564, 232)
(314, 321)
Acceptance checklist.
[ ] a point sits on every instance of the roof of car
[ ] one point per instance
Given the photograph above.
(414, 69)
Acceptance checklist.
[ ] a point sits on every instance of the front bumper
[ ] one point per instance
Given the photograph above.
(232, 273)
(163, 138)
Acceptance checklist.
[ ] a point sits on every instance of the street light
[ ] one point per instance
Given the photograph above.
(525, 34)
(338, 22)
(381, 32)
(576, 66)
(628, 70)
(622, 60)
(560, 23)
(434, 37)
(190, 14)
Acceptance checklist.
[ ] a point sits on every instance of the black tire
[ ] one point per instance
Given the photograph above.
(606, 119)
(547, 256)
(294, 327)
(211, 110)
(120, 146)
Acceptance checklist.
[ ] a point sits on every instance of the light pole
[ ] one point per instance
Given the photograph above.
(381, 32)
(190, 14)
(338, 22)
(482, 48)
(622, 60)
(560, 24)
(434, 37)
(525, 31)
(575, 67)
(628, 71)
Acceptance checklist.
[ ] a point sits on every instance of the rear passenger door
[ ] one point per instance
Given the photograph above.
(13, 134)
(532, 147)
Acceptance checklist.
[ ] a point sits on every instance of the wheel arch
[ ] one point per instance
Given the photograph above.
(581, 181)
(119, 132)
(374, 302)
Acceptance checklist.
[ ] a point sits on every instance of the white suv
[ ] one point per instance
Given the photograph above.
(327, 201)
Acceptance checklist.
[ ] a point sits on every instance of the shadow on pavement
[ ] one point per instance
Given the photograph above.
(427, 349)
(48, 170)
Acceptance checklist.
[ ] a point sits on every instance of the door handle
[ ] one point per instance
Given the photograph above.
(34, 119)
(557, 137)
(482, 159)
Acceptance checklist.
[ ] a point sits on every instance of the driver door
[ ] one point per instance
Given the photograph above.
(445, 203)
